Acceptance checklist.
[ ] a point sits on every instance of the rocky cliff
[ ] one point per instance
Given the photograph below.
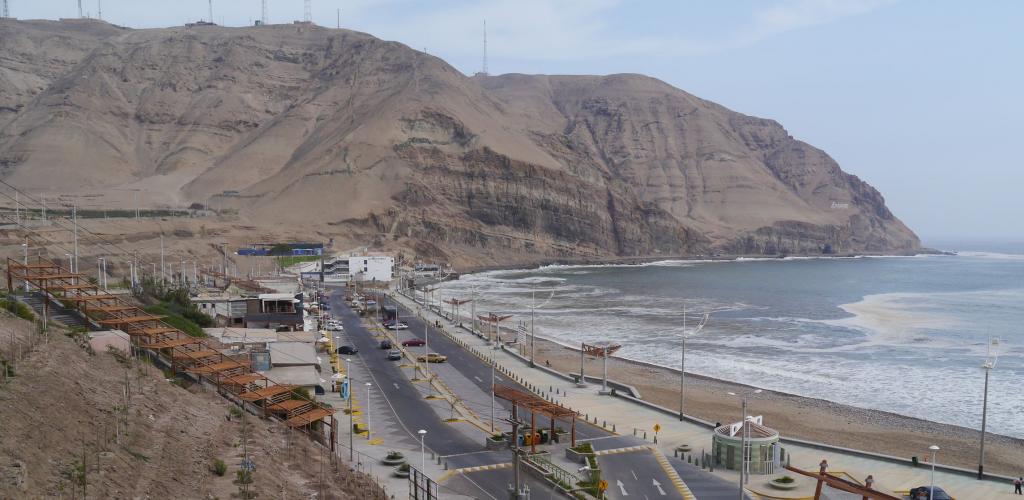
(387, 144)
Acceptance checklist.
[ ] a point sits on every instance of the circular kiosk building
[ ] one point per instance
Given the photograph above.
(765, 454)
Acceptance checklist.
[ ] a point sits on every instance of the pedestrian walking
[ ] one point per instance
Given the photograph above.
(1017, 483)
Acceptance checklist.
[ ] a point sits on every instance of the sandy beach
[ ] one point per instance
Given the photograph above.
(801, 417)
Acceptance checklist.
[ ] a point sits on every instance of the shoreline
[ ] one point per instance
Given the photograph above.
(799, 417)
(649, 259)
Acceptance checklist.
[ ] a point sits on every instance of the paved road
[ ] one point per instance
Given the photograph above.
(705, 486)
(636, 474)
(402, 396)
(476, 372)
(493, 485)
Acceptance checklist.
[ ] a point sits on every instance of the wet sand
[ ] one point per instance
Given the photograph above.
(802, 417)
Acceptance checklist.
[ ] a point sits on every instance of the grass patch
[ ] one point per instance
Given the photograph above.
(18, 309)
(291, 260)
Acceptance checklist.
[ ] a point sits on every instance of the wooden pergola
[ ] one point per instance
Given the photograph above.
(494, 320)
(535, 404)
(198, 356)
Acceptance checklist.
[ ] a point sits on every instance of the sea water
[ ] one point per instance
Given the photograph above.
(901, 334)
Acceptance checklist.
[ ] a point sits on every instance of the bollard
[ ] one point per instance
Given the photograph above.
(645, 435)
(634, 432)
(604, 424)
(613, 427)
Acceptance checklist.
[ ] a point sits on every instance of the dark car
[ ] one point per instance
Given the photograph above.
(922, 492)
(385, 344)
(394, 355)
(347, 349)
(414, 342)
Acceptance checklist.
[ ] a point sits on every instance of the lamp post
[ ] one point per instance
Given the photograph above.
(743, 440)
(931, 488)
(351, 423)
(682, 367)
(988, 365)
(24, 246)
(533, 315)
(423, 450)
(368, 410)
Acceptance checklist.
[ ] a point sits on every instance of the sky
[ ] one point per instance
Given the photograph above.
(922, 99)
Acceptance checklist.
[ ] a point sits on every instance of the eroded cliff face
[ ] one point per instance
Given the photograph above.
(390, 146)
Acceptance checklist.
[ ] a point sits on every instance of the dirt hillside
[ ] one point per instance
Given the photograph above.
(62, 406)
(354, 137)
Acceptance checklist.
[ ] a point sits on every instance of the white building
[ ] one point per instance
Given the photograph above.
(371, 267)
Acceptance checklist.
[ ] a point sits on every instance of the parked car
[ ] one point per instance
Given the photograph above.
(414, 342)
(432, 357)
(398, 326)
(385, 344)
(394, 355)
(347, 349)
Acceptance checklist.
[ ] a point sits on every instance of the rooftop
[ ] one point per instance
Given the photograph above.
(756, 429)
(294, 375)
(292, 353)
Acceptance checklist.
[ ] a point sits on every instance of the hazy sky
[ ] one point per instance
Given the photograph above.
(923, 99)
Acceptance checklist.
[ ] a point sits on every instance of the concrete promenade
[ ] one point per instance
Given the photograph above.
(625, 416)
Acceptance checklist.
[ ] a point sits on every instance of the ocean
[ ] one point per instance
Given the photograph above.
(900, 334)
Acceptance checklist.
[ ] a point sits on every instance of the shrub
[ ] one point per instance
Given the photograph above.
(219, 467)
(785, 480)
(19, 309)
(394, 455)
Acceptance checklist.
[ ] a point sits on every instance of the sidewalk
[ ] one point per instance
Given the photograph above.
(624, 416)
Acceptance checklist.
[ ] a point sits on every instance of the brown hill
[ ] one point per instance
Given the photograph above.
(368, 140)
(62, 405)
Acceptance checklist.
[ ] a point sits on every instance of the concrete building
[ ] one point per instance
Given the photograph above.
(277, 311)
(295, 363)
(225, 311)
(378, 267)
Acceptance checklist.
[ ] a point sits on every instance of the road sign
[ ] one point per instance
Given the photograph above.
(657, 427)
(602, 485)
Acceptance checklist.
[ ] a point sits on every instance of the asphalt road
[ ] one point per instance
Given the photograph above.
(636, 474)
(412, 410)
(475, 370)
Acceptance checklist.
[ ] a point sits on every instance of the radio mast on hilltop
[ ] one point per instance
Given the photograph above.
(307, 15)
(79, 9)
(210, 4)
(7, 12)
(483, 70)
(263, 18)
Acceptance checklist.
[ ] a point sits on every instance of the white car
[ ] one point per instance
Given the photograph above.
(398, 326)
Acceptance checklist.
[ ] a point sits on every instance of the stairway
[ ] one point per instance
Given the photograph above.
(57, 312)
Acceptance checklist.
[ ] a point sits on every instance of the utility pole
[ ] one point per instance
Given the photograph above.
(74, 219)
(339, 18)
(162, 270)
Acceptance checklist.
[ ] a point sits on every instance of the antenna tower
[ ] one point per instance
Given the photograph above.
(307, 15)
(210, 4)
(7, 12)
(263, 18)
(99, 9)
(484, 70)
(79, 9)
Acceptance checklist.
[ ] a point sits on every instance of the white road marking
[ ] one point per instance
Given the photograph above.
(478, 379)
(634, 475)
(622, 487)
(395, 384)
(658, 485)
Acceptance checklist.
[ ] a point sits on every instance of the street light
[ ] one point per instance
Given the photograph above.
(988, 365)
(533, 315)
(682, 367)
(931, 492)
(368, 410)
(351, 423)
(744, 430)
(423, 451)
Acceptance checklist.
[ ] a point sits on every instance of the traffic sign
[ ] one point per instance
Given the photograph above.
(657, 427)
(602, 485)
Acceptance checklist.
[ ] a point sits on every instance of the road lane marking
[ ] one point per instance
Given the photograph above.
(631, 471)
(673, 475)
(478, 379)
(656, 484)
(622, 487)
(395, 384)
